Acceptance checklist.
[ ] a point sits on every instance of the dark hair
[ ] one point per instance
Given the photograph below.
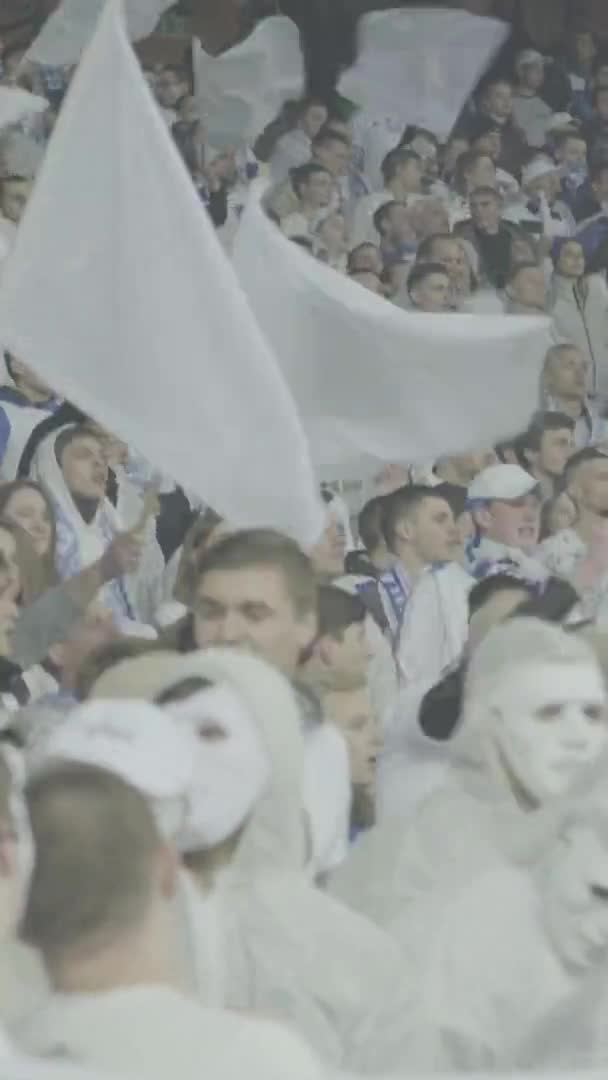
(454, 495)
(360, 247)
(6, 493)
(465, 163)
(302, 174)
(106, 656)
(328, 134)
(421, 271)
(484, 590)
(541, 423)
(265, 547)
(562, 137)
(303, 242)
(481, 125)
(412, 132)
(337, 611)
(582, 457)
(384, 212)
(182, 690)
(401, 504)
(553, 604)
(71, 434)
(394, 160)
(369, 523)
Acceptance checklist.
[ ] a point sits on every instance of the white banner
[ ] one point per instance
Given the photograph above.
(242, 90)
(375, 383)
(69, 29)
(119, 295)
(421, 65)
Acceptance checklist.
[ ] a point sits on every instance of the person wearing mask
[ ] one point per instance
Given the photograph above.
(564, 388)
(507, 765)
(428, 288)
(546, 448)
(25, 401)
(496, 101)
(294, 148)
(541, 211)
(505, 504)
(490, 235)
(526, 290)
(247, 891)
(578, 304)
(105, 931)
(314, 187)
(256, 592)
(402, 176)
(530, 111)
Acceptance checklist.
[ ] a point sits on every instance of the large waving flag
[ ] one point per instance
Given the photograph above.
(421, 64)
(119, 294)
(374, 383)
(70, 27)
(242, 90)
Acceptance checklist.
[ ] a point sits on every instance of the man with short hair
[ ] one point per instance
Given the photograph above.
(490, 235)
(105, 928)
(505, 504)
(402, 175)
(546, 447)
(314, 188)
(295, 147)
(428, 287)
(564, 385)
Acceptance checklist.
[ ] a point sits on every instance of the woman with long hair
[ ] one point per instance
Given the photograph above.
(27, 505)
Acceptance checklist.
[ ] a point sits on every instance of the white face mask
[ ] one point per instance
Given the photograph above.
(550, 726)
(575, 898)
(231, 767)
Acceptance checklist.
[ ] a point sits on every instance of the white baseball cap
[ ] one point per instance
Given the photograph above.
(539, 166)
(504, 482)
(560, 121)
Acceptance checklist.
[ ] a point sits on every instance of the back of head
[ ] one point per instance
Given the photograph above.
(369, 524)
(97, 848)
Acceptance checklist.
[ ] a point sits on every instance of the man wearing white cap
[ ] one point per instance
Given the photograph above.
(542, 212)
(530, 112)
(505, 504)
(101, 912)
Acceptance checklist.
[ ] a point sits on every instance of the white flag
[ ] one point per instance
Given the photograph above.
(242, 90)
(421, 65)
(374, 383)
(16, 104)
(69, 29)
(119, 294)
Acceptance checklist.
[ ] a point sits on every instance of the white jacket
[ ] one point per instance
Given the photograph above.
(287, 949)
(155, 1032)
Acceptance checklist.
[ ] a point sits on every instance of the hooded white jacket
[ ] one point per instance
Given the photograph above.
(155, 1032)
(265, 939)
(582, 320)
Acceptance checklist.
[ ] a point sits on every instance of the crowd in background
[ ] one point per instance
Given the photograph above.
(341, 809)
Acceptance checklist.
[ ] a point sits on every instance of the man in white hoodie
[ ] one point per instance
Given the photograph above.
(100, 911)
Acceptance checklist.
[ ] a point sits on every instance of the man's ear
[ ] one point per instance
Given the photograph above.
(403, 531)
(482, 517)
